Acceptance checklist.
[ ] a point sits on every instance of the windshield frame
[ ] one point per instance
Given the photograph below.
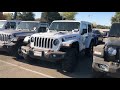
(1, 26)
(64, 27)
(23, 26)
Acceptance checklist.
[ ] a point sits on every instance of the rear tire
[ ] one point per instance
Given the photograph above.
(70, 60)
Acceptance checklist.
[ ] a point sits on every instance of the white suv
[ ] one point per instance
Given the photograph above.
(9, 24)
(63, 42)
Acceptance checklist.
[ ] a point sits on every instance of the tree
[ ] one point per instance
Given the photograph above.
(15, 15)
(116, 17)
(26, 16)
(50, 16)
(1, 16)
(94, 25)
(8, 16)
(69, 15)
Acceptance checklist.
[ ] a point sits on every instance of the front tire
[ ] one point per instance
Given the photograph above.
(96, 74)
(14, 51)
(70, 60)
(89, 51)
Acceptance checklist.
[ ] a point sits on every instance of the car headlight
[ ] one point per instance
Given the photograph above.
(32, 39)
(56, 42)
(112, 51)
(10, 37)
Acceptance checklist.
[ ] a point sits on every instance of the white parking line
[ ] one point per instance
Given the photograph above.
(48, 76)
(96, 52)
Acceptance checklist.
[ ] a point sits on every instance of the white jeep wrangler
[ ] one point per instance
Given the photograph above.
(9, 24)
(63, 42)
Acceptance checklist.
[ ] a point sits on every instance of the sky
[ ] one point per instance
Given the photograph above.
(102, 18)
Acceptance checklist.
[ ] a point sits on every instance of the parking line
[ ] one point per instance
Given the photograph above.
(96, 52)
(48, 76)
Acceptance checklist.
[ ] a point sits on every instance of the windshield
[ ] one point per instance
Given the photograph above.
(28, 25)
(2, 23)
(115, 30)
(64, 26)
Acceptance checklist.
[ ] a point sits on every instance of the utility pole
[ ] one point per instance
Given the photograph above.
(15, 15)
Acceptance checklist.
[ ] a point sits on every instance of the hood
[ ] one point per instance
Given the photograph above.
(56, 34)
(17, 32)
(114, 41)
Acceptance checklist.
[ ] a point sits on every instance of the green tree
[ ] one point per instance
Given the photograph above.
(69, 15)
(116, 17)
(50, 16)
(8, 16)
(94, 25)
(26, 16)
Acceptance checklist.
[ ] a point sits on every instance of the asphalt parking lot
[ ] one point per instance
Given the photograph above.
(12, 68)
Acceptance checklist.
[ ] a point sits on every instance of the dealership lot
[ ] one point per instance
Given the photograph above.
(12, 68)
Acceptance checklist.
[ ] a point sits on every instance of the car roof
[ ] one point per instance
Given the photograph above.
(10, 20)
(71, 21)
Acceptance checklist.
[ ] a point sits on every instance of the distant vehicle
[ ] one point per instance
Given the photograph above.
(9, 24)
(11, 40)
(43, 27)
(105, 34)
(98, 37)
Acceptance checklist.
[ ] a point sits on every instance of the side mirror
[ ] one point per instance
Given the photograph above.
(84, 31)
(34, 28)
(47, 29)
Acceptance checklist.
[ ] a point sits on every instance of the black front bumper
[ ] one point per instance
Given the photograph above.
(109, 68)
(48, 56)
(7, 47)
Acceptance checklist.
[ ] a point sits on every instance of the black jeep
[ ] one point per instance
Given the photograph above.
(107, 62)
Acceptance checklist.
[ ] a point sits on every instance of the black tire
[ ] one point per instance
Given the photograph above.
(89, 51)
(70, 60)
(15, 49)
(96, 74)
(28, 59)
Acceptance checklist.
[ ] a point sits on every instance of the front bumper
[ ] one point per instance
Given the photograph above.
(6, 47)
(42, 54)
(109, 68)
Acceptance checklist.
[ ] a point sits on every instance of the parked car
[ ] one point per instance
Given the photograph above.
(9, 24)
(11, 40)
(105, 34)
(107, 62)
(64, 41)
(98, 37)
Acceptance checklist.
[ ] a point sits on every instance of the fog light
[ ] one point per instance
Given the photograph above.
(54, 55)
(103, 67)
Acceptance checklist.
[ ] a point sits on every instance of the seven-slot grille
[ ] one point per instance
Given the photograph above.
(4, 37)
(43, 42)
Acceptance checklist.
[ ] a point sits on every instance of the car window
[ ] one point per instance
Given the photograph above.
(13, 25)
(89, 28)
(84, 28)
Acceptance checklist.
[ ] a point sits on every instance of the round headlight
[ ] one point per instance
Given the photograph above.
(10, 37)
(112, 51)
(56, 42)
(32, 39)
